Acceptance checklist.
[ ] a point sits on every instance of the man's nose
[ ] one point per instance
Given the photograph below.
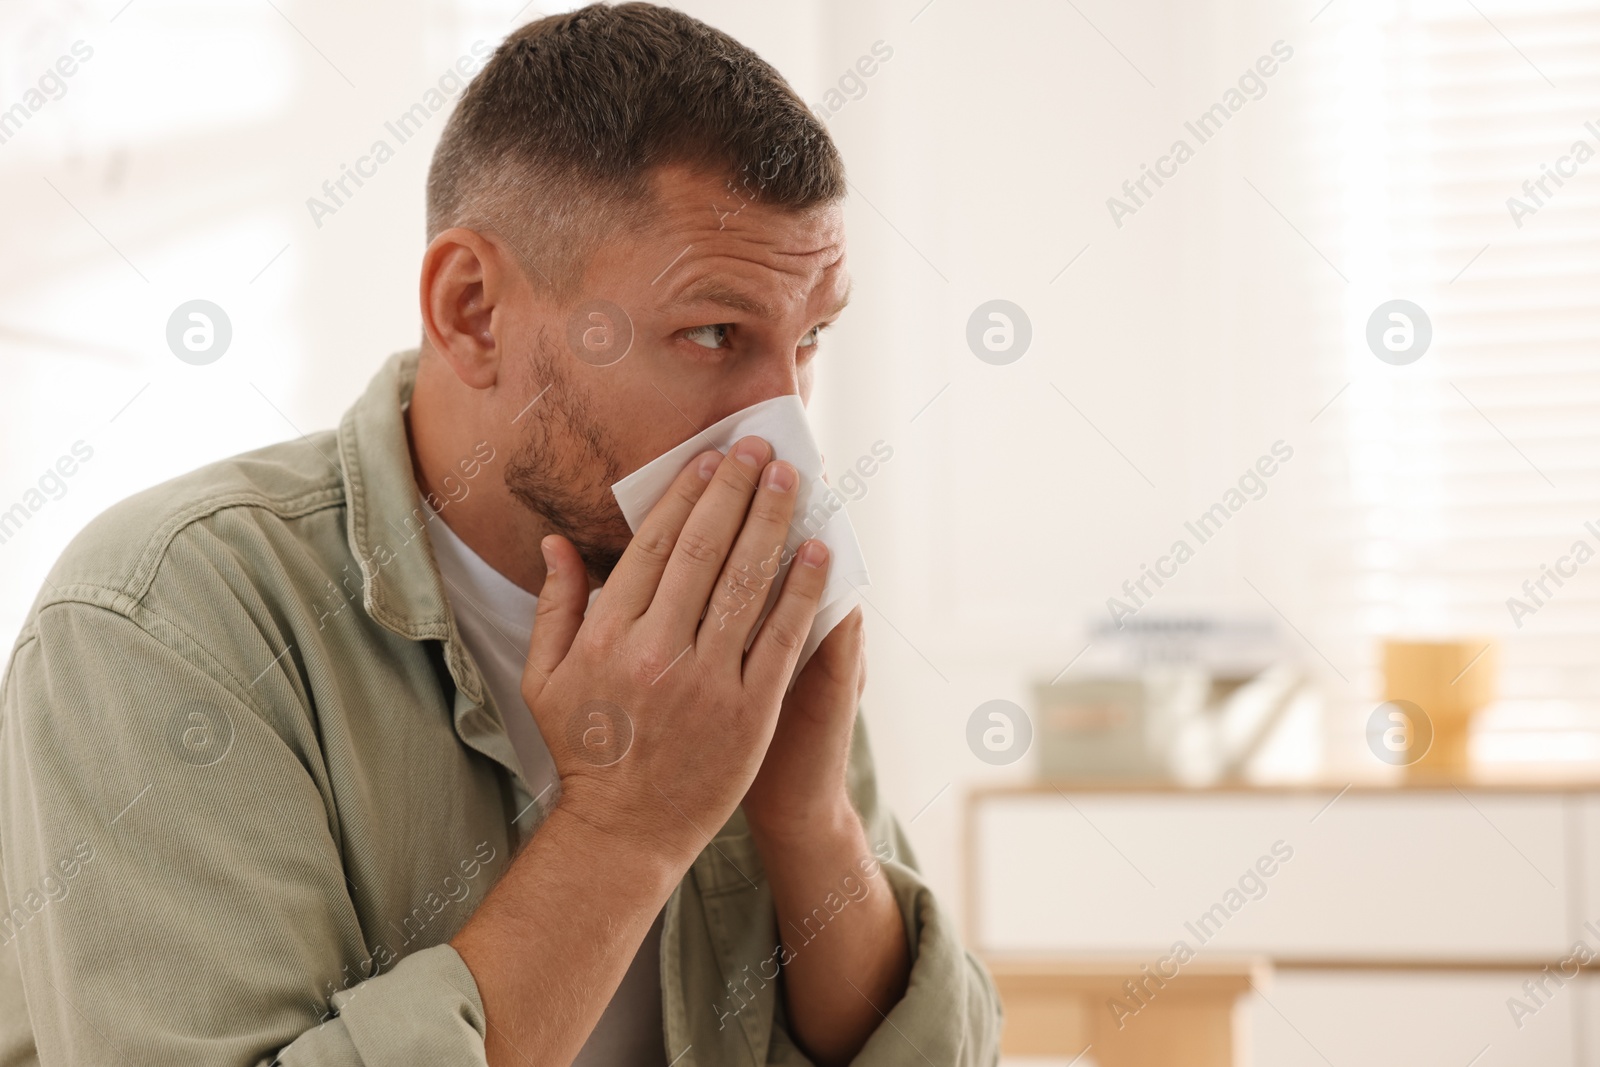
(772, 375)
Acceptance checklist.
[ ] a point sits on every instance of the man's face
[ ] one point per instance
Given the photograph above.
(726, 297)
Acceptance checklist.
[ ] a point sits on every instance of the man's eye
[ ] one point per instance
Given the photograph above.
(711, 336)
(811, 337)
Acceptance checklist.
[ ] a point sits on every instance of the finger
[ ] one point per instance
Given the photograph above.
(633, 580)
(861, 650)
(703, 544)
(562, 601)
(752, 567)
(838, 660)
(772, 657)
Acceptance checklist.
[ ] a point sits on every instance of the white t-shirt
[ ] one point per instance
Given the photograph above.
(495, 617)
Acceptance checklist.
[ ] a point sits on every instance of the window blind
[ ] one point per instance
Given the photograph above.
(1459, 145)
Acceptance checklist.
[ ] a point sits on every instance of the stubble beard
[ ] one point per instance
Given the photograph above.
(564, 467)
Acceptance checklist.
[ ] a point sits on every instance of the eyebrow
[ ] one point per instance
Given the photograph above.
(849, 286)
(712, 291)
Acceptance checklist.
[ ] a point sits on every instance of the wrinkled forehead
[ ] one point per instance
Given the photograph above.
(722, 241)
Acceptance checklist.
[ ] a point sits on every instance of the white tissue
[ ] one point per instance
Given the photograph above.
(819, 510)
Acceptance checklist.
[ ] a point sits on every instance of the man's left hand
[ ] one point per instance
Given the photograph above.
(802, 781)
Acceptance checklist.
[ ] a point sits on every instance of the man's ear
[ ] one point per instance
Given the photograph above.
(465, 287)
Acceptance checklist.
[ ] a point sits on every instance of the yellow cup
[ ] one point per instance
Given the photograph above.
(1450, 681)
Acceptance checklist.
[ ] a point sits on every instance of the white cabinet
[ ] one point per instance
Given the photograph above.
(1398, 921)
(1391, 1019)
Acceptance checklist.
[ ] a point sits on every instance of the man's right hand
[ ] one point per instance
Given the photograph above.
(656, 716)
(664, 646)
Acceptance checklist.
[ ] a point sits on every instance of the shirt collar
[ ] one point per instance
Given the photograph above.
(386, 521)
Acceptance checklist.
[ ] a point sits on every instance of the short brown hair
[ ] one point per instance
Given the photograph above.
(554, 142)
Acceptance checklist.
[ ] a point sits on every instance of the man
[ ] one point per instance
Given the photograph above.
(309, 757)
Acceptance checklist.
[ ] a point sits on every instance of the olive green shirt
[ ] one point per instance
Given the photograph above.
(253, 783)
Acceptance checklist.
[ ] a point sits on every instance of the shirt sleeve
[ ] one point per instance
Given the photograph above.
(173, 878)
(950, 1013)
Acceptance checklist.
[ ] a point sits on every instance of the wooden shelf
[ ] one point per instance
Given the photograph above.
(1586, 783)
(1065, 1006)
